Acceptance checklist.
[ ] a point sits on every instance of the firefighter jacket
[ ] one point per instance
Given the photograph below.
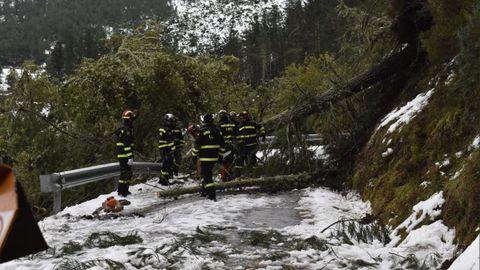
(166, 142)
(124, 142)
(209, 145)
(248, 132)
(178, 138)
(228, 131)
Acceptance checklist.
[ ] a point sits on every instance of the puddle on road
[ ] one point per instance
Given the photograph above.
(277, 217)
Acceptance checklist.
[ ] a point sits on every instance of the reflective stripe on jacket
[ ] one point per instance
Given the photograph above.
(209, 145)
(124, 142)
(178, 137)
(165, 141)
(228, 131)
(247, 133)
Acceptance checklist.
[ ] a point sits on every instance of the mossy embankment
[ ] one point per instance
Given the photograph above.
(435, 151)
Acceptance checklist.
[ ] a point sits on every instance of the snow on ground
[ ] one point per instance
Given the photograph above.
(403, 115)
(175, 233)
(319, 152)
(470, 258)
(203, 24)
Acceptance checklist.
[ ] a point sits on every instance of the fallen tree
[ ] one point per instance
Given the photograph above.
(270, 183)
(396, 63)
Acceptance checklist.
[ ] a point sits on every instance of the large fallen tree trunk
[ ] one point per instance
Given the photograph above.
(270, 183)
(394, 64)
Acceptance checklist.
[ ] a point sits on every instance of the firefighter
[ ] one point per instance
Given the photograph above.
(228, 129)
(166, 146)
(179, 142)
(208, 149)
(247, 135)
(124, 152)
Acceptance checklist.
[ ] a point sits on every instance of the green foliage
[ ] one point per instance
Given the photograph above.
(263, 239)
(441, 40)
(71, 264)
(362, 233)
(71, 248)
(108, 239)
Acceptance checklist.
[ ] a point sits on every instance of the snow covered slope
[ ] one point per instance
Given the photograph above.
(199, 25)
(470, 258)
(260, 231)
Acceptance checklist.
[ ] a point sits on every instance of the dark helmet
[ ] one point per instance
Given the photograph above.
(207, 118)
(233, 115)
(223, 115)
(128, 115)
(244, 116)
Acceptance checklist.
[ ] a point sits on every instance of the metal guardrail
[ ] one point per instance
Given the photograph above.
(306, 137)
(56, 182)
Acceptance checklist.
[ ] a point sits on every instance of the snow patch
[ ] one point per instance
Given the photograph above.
(403, 115)
(387, 152)
(469, 259)
(475, 144)
(428, 208)
(425, 184)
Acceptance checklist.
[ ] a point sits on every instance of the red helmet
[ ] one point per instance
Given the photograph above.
(193, 129)
(128, 114)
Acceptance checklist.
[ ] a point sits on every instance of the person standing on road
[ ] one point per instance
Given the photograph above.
(209, 148)
(124, 151)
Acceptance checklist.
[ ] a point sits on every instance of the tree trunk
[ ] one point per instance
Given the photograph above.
(271, 183)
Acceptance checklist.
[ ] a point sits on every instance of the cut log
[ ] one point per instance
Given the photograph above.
(396, 63)
(270, 183)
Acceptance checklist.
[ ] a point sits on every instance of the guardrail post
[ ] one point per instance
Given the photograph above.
(57, 200)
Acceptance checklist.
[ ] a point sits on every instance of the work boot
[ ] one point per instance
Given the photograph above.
(211, 194)
(123, 190)
(163, 181)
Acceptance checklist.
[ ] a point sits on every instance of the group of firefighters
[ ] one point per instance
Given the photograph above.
(233, 143)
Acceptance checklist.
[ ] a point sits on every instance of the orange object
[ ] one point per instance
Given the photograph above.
(128, 114)
(111, 202)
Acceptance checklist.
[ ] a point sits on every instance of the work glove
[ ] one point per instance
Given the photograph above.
(130, 161)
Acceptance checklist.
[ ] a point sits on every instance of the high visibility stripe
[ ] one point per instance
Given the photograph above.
(251, 144)
(238, 167)
(247, 127)
(164, 173)
(166, 145)
(125, 155)
(195, 150)
(120, 144)
(208, 159)
(211, 146)
(162, 141)
(228, 136)
(227, 125)
(210, 185)
(162, 130)
(194, 154)
(123, 181)
(127, 148)
(206, 132)
(247, 136)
